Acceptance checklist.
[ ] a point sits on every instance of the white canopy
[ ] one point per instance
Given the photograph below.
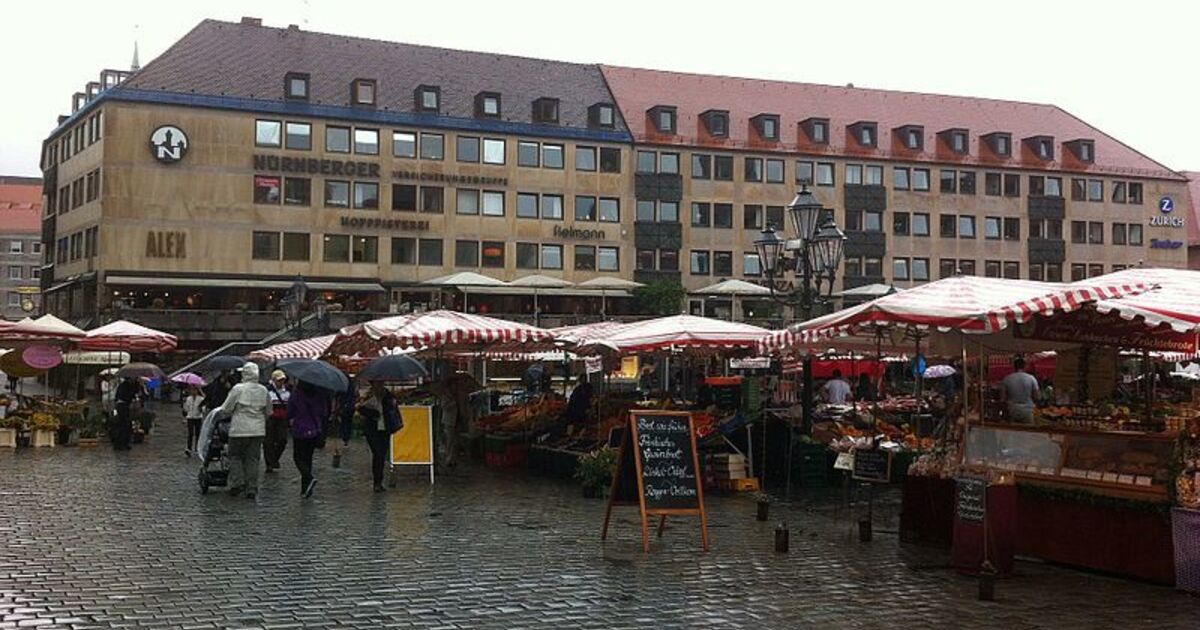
(733, 287)
(538, 281)
(466, 279)
(609, 282)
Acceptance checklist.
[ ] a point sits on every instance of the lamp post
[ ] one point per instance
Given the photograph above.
(813, 258)
(321, 310)
(290, 308)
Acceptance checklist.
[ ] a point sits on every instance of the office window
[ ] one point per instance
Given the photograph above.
(853, 266)
(645, 211)
(1012, 270)
(492, 203)
(296, 246)
(299, 136)
(854, 174)
(363, 91)
(552, 257)
(665, 120)
(668, 260)
(751, 265)
(900, 269)
(646, 259)
(466, 201)
(585, 258)
(1095, 233)
(1046, 228)
(775, 171)
(668, 212)
(336, 248)
(966, 227)
(1054, 187)
(1037, 186)
(991, 268)
(545, 110)
(265, 246)
(366, 249)
(723, 168)
(467, 149)
(804, 172)
(901, 223)
(992, 184)
(754, 169)
(1078, 272)
(266, 189)
(466, 253)
(608, 259)
(1079, 232)
(920, 179)
(404, 144)
(1078, 189)
(552, 207)
(1119, 234)
(433, 146)
(1054, 272)
(752, 217)
(491, 254)
(722, 215)
(585, 208)
(1095, 269)
(268, 133)
(948, 225)
(668, 163)
(337, 139)
(647, 162)
(824, 174)
(700, 266)
(701, 216)
(722, 263)
(966, 182)
(1037, 271)
(991, 228)
(774, 217)
(337, 194)
(527, 205)
(585, 158)
(527, 256)
(966, 267)
(493, 151)
(949, 181)
(920, 269)
(1012, 185)
(900, 179)
(1095, 190)
(1118, 192)
(528, 154)
(366, 195)
(701, 166)
(404, 250)
(819, 131)
(1135, 192)
(873, 175)
(1012, 229)
(432, 199)
(16, 247)
(610, 210)
(1135, 234)
(610, 160)
(552, 156)
(920, 224)
(947, 268)
(404, 197)
(429, 252)
(297, 191)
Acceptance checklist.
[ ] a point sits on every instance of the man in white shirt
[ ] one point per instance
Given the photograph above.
(836, 390)
(1019, 390)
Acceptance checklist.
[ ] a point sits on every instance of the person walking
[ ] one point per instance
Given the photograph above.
(122, 431)
(248, 405)
(308, 415)
(217, 390)
(277, 423)
(193, 415)
(380, 419)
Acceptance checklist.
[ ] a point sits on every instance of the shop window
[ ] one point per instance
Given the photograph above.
(610, 210)
(585, 258)
(404, 250)
(432, 199)
(265, 246)
(404, 197)
(366, 195)
(527, 256)
(492, 254)
(266, 189)
(268, 133)
(299, 136)
(366, 249)
(466, 253)
(296, 246)
(429, 252)
(336, 248)
(433, 146)
(552, 256)
(337, 139)
(297, 191)
(337, 194)
(404, 144)
(610, 160)
(467, 149)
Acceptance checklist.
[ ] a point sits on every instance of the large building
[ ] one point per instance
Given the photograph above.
(245, 156)
(20, 246)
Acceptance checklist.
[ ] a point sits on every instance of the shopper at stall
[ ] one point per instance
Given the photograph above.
(864, 391)
(308, 415)
(275, 442)
(381, 419)
(836, 390)
(1018, 390)
(579, 405)
(193, 415)
(248, 405)
(122, 428)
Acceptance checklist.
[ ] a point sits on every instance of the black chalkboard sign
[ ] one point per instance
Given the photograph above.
(657, 470)
(971, 503)
(872, 465)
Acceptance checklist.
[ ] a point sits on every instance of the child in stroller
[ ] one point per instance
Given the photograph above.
(212, 448)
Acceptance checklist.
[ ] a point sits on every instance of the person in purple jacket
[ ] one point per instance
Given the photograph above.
(308, 414)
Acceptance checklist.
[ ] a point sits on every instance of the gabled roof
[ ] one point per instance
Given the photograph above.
(249, 61)
(1193, 216)
(20, 205)
(636, 90)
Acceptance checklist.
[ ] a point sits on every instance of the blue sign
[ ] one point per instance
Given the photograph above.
(1166, 205)
(1158, 243)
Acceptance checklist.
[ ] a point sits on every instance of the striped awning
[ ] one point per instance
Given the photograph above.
(128, 336)
(1173, 298)
(677, 333)
(310, 348)
(446, 331)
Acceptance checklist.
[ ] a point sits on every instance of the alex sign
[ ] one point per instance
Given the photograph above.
(162, 244)
(1089, 327)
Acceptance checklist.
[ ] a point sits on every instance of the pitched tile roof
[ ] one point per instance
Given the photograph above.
(637, 90)
(250, 61)
(1193, 217)
(20, 205)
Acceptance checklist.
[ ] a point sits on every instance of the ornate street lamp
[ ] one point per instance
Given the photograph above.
(321, 309)
(814, 256)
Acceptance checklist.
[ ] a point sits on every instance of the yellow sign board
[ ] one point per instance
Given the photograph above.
(413, 444)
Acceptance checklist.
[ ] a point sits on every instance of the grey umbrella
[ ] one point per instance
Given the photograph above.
(393, 367)
(225, 362)
(141, 370)
(315, 372)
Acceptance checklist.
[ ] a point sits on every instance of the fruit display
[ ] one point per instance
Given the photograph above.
(534, 415)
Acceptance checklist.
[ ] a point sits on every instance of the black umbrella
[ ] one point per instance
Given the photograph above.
(393, 367)
(141, 370)
(225, 362)
(314, 372)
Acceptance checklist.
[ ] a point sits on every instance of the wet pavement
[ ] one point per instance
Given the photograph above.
(97, 539)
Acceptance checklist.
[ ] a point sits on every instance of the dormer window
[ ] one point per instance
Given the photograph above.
(767, 126)
(487, 105)
(362, 92)
(865, 134)
(955, 139)
(295, 86)
(428, 98)
(817, 130)
(912, 137)
(999, 142)
(663, 117)
(602, 115)
(716, 122)
(1083, 150)
(1042, 146)
(545, 110)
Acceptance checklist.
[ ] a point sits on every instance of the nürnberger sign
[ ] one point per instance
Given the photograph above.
(348, 168)
(452, 178)
(578, 234)
(385, 224)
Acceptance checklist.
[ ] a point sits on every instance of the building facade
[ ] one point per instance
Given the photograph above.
(20, 246)
(245, 156)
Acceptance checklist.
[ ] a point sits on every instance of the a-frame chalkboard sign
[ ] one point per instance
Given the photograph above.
(658, 471)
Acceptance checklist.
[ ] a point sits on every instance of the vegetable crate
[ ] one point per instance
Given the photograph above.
(42, 438)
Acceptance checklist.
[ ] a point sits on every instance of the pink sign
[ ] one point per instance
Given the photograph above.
(41, 357)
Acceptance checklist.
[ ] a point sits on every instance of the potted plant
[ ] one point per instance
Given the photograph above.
(10, 426)
(763, 501)
(43, 427)
(595, 471)
(92, 427)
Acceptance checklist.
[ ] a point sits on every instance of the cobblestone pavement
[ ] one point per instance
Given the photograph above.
(97, 539)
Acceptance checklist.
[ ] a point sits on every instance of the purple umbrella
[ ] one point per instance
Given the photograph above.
(188, 378)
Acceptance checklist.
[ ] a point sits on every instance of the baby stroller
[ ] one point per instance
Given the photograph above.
(213, 447)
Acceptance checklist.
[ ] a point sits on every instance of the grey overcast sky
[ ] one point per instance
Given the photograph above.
(1128, 68)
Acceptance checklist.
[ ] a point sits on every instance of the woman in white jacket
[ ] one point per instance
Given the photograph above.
(248, 405)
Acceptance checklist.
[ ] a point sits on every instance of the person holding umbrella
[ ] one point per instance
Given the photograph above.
(308, 414)
(122, 432)
(380, 419)
(276, 440)
(248, 405)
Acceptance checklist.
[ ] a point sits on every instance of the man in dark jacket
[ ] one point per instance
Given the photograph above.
(122, 433)
(381, 419)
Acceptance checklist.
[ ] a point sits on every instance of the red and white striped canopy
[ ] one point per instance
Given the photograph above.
(967, 303)
(1173, 298)
(677, 332)
(129, 337)
(310, 348)
(45, 329)
(447, 331)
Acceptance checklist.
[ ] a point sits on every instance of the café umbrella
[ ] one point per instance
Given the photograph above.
(315, 372)
(538, 281)
(604, 284)
(465, 279)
